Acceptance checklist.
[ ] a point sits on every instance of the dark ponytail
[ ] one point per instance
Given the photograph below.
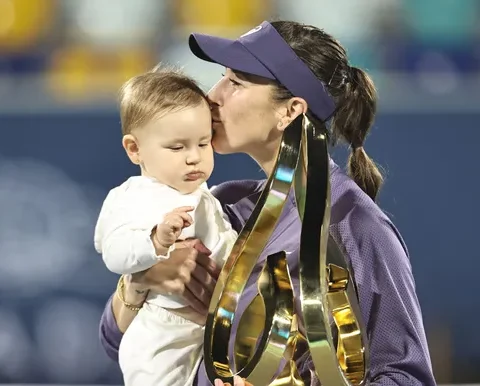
(352, 89)
(352, 122)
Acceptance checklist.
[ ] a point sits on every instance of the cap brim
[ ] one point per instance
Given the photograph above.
(228, 53)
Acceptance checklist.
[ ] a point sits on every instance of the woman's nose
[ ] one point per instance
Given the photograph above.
(214, 96)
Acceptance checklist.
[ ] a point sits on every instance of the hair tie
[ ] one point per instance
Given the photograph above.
(345, 76)
(355, 147)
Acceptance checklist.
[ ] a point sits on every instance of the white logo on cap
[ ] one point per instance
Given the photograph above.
(252, 31)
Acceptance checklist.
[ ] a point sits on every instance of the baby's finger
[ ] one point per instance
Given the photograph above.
(183, 219)
(183, 209)
(187, 219)
(174, 221)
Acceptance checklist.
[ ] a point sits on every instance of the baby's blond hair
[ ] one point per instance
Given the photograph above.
(150, 95)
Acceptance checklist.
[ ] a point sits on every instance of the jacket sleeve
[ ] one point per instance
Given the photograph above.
(389, 305)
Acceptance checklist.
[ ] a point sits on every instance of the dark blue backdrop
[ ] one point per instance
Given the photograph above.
(431, 193)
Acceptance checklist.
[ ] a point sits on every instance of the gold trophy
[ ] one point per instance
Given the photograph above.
(272, 330)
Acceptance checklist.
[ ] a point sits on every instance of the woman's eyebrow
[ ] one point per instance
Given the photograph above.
(246, 77)
(243, 76)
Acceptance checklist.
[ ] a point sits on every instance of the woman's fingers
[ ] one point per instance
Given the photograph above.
(205, 277)
(187, 273)
(209, 265)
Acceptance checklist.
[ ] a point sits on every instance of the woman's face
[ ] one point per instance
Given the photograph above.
(245, 119)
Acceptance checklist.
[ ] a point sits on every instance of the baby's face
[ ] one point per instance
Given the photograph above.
(176, 149)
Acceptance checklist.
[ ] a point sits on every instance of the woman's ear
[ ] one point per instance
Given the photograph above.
(295, 106)
(130, 144)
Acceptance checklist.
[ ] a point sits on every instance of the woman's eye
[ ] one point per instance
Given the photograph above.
(232, 81)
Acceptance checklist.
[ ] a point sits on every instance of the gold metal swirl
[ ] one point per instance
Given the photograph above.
(270, 330)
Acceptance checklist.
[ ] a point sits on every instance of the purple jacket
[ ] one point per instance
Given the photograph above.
(379, 258)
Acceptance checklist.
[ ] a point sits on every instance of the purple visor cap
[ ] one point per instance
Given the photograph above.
(263, 52)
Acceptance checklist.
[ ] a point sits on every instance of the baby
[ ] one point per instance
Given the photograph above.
(167, 131)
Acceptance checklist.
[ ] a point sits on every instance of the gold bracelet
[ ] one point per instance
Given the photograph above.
(121, 295)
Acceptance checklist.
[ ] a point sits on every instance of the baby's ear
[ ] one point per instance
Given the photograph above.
(130, 144)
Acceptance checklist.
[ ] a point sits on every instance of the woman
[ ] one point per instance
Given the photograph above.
(264, 88)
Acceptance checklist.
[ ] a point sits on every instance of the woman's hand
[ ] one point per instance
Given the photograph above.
(188, 272)
(237, 381)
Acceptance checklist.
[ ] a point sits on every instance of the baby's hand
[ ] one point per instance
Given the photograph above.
(168, 231)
